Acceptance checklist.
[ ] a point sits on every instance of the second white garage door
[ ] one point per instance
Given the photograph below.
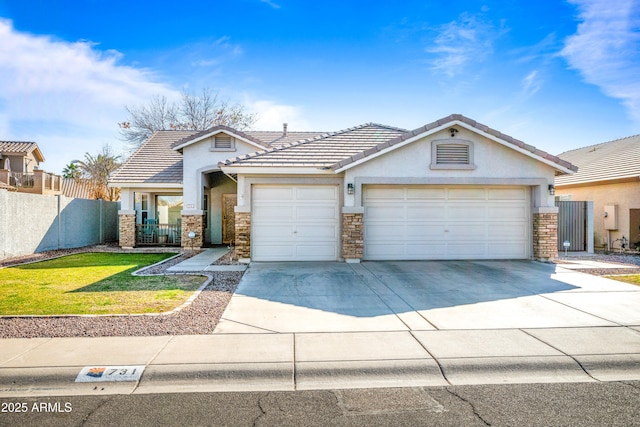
(437, 222)
(295, 223)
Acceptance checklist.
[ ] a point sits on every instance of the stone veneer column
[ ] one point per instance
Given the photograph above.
(243, 235)
(352, 236)
(127, 225)
(545, 236)
(193, 223)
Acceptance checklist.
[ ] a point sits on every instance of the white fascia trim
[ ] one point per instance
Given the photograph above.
(514, 147)
(276, 170)
(134, 185)
(393, 147)
(466, 126)
(209, 135)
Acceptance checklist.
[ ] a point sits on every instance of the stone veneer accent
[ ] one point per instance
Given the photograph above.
(545, 236)
(192, 223)
(127, 225)
(352, 235)
(243, 235)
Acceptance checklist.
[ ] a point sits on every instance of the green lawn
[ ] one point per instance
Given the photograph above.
(634, 279)
(92, 283)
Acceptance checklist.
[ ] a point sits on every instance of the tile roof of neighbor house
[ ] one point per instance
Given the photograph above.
(21, 147)
(608, 161)
(339, 149)
(76, 188)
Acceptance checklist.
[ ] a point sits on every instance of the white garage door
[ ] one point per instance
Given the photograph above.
(437, 222)
(295, 223)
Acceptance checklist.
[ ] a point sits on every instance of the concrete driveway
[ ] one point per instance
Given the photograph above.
(424, 295)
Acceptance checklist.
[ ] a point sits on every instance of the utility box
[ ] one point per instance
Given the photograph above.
(610, 217)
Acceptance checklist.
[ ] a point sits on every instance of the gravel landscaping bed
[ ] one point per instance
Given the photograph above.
(199, 318)
(631, 259)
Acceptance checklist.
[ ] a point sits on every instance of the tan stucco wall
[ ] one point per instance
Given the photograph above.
(625, 195)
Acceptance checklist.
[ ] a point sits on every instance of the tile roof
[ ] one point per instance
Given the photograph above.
(76, 188)
(322, 151)
(20, 147)
(154, 161)
(157, 161)
(613, 160)
(340, 149)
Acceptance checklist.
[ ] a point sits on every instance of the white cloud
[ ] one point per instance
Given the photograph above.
(272, 4)
(58, 90)
(606, 49)
(531, 83)
(463, 42)
(271, 116)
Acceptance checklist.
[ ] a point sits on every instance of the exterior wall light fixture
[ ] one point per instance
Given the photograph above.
(350, 189)
(552, 190)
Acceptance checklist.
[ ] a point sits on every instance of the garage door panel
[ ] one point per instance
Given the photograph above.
(508, 211)
(426, 193)
(273, 232)
(317, 232)
(275, 252)
(273, 212)
(295, 223)
(466, 212)
(466, 194)
(316, 193)
(315, 212)
(422, 211)
(467, 231)
(507, 194)
(469, 223)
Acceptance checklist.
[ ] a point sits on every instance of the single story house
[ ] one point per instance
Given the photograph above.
(452, 189)
(608, 176)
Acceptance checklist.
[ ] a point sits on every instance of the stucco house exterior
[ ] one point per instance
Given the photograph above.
(452, 189)
(608, 176)
(20, 169)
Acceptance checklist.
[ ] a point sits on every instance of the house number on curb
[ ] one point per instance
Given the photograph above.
(90, 374)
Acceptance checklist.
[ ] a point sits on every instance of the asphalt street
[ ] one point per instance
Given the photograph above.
(583, 404)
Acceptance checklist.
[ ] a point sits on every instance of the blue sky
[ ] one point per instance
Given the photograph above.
(555, 74)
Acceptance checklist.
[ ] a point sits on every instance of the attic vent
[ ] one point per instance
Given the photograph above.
(223, 141)
(452, 154)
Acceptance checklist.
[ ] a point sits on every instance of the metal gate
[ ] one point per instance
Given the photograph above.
(572, 225)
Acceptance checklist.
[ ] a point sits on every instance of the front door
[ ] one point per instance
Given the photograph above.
(229, 202)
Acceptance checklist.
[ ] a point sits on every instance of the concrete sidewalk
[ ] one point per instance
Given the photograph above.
(331, 326)
(252, 362)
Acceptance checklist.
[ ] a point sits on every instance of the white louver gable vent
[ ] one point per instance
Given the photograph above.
(222, 142)
(452, 154)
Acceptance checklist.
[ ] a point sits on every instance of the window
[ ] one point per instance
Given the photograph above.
(168, 209)
(223, 142)
(452, 153)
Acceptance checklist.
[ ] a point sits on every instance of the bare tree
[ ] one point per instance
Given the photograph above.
(193, 112)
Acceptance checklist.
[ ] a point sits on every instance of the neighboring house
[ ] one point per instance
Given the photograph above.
(77, 188)
(452, 189)
(20, 169)
(609, 176)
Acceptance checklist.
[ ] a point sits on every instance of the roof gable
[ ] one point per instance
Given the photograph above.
(199, 136)
(21, 147)
(560, 165)
(609, 161)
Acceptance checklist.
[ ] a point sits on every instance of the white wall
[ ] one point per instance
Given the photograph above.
(495, 164)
